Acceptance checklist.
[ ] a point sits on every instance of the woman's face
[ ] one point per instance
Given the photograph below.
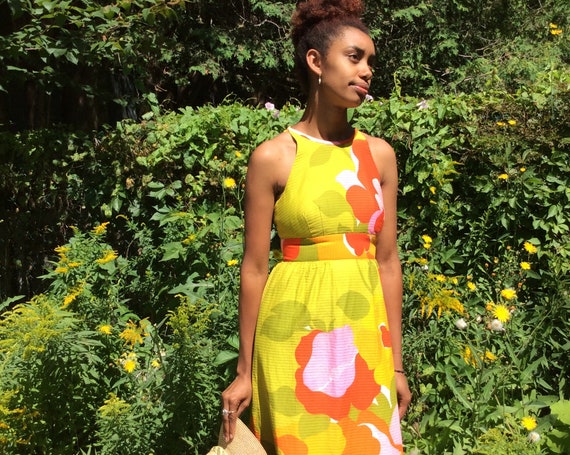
(347, 68)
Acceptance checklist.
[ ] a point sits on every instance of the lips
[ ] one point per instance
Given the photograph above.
(361, 88)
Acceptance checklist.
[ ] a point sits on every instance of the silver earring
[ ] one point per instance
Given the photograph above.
(319, 79)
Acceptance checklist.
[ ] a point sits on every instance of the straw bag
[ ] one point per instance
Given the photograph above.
(244, 443)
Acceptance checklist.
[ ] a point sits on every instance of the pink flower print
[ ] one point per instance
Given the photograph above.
(332, 375)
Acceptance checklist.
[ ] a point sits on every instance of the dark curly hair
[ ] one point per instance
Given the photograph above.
(316, 23)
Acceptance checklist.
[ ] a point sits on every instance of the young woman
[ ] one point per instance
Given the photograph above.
(320, 356)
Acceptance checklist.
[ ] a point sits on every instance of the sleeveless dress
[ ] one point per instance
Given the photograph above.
(323, 375)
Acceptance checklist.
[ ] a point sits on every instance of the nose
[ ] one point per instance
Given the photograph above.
(366, 72)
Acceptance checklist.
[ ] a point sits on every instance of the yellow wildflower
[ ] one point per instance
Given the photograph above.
(133, 333)
(110, 255)
(522, 169)
(512, 122)
(530, 248)
(444, 300)
(503, 177)
(471, 286)
(525, 265)
(490, 357)
(130, 362)
(189, 239)
(426, 238)
(529, 423)
(232, 262)
(114, 406)
(490, 306)
(469, 357)
(238, 154)
(129, 365)
(556, 31)
(502, 313)
(439, 277)
(69, 299)
(508, 294)
(551, 25)
(229, 182)
(155, 363)
(432, 189)
(73, 264)
(101, 229)
(106, 329)
(427, 241)
(501, 124)
(61, 270)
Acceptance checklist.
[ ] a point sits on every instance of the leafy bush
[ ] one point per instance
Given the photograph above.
(134, 333)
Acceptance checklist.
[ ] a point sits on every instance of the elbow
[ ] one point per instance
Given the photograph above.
(389, 265)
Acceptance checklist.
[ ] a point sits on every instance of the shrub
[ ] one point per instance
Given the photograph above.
(134, 332)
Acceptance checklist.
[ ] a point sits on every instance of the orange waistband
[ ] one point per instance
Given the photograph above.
(351, 245)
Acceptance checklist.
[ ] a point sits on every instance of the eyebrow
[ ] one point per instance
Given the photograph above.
(361, 51)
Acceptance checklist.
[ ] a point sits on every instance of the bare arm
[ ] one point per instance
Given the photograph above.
(389, 261)
(259, 202)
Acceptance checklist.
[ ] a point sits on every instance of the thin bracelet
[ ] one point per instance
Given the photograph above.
(400, 371)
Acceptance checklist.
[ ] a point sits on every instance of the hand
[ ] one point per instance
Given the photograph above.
(404, 394)
(235, 399)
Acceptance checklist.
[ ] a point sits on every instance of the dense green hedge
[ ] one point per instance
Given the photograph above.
(91, 62)
(137, 232)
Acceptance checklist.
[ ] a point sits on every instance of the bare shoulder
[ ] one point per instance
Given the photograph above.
(273, 151)
(380, 148)
(384, 157)
(272, 161)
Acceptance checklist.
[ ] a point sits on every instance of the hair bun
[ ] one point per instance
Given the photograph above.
(310, 12)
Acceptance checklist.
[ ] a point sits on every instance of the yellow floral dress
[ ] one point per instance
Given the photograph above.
(323, 375)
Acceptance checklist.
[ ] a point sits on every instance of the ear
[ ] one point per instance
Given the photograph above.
(314, 61)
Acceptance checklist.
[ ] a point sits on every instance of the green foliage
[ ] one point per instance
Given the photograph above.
(49, 39)
(183, 52)
(134, 334)
(189, 52)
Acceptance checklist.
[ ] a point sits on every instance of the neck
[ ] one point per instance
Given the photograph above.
(325, 122)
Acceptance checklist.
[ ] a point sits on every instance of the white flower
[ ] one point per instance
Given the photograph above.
(534, 437)
(269, 106)
(478, 318)
(368, 98)
(496, 326)
(461, 324)
(423, 104)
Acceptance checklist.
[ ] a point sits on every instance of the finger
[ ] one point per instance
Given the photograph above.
(229, 415)
(403, 403)
(402, 411)
(229, 423)
(240, 408)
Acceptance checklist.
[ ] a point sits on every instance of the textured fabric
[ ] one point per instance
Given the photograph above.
(323, 373)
